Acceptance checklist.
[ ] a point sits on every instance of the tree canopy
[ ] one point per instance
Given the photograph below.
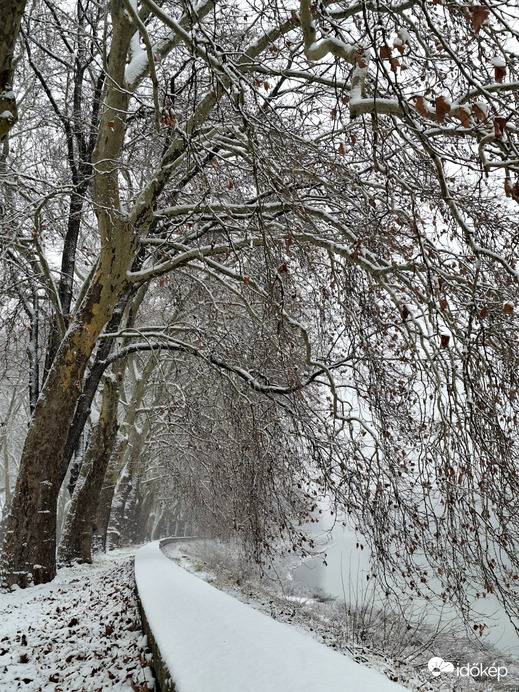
(306, 214)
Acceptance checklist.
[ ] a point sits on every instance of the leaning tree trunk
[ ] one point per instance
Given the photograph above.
(143, 519)
(76, 542)
(124, 497)
(110, 511)
(29, 548)
(81, 529)
(104, 506)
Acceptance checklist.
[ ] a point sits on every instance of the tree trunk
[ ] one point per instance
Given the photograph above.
(76, 542)
(29, 549)
(121, 495)
(11, 12)
(128, 449)
(131, 443)
(29, 545)
(143, 519)
(104, 507)
(90, 388)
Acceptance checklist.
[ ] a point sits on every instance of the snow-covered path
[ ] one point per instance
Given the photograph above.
(210, 642)
(81, 632)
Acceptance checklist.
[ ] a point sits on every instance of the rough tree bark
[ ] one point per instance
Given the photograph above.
(30, 542)
(76, 542)
(90, 387)
(132, 441)
(11, 12)
(80, 528)
(29, 548)
(121, 496)
(104, 507)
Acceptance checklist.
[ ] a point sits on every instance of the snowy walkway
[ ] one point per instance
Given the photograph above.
(210, 642)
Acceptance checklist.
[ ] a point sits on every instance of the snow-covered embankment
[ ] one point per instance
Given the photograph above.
(204, 639)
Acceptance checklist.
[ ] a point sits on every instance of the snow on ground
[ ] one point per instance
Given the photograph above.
(379, 639)
(80, 632)
(213, 643)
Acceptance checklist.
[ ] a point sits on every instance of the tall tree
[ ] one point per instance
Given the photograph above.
(345, 179)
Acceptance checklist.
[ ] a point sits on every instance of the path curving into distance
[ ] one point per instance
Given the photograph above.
(204, 640)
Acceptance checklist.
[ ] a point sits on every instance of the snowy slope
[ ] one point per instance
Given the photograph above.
(213, 643)
(80, 633)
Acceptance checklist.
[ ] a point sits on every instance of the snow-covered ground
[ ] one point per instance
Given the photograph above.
(80, 632)
(380, 639)
(212, 642)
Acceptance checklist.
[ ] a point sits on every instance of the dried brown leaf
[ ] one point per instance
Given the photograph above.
(499, 127)
(464, 117)
(479, 15)
(442, 108)
(499, 73)
(420, 107)
(478, 113)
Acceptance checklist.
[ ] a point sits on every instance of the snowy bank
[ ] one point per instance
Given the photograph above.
(79, 633)
(210, 641)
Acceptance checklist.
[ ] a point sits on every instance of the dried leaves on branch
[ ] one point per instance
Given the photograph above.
(327, 218)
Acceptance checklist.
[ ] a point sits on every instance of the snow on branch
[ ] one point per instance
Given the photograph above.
(360, 7)
(183, 34)
(316, 50)
(139, 65)
(168, 344)
(187, 256)
(149, 52)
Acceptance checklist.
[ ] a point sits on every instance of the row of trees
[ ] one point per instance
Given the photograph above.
(274, 247)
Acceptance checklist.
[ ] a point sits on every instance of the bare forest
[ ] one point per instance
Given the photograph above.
(255, 256)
